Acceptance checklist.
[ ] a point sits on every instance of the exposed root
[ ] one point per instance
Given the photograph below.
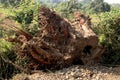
(60, 43)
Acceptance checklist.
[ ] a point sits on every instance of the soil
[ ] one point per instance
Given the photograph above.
(75, 72)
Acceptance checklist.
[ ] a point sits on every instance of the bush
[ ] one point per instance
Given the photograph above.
(26, 15)
(109, 34)
(6, 70)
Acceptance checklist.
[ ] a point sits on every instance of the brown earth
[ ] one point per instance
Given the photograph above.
(76, 72)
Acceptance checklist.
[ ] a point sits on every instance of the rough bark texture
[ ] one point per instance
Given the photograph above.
(59, 43)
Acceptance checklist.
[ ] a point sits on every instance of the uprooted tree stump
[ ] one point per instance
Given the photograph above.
(59, 42)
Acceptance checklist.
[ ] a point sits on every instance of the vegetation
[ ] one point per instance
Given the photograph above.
(67, 8)
(109, 32)
(8, 3)
(97, 6)
(6, 70)
(25, 13)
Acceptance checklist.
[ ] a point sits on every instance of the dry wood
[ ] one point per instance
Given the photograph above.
(60, 43)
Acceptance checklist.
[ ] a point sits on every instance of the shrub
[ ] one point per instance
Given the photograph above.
(26, 15)
(109, 34)
(6, 70)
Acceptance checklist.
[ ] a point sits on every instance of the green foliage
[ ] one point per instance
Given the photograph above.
(97, 6)
(8, 3)
(24, 13)
(27, 14)
(68, 7)
(6, 70)
(109, 31)
(8, 55)
(102, 40)
(24, 17)
(4, 45)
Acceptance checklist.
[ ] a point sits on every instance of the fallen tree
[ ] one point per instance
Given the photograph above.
(59, 42)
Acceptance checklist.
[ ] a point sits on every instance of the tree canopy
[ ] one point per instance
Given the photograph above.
(68, 7)
(97, 6)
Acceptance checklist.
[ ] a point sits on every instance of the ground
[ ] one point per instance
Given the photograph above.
(75, 72)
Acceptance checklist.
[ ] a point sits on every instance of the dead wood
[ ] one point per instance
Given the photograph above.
(60, 43)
